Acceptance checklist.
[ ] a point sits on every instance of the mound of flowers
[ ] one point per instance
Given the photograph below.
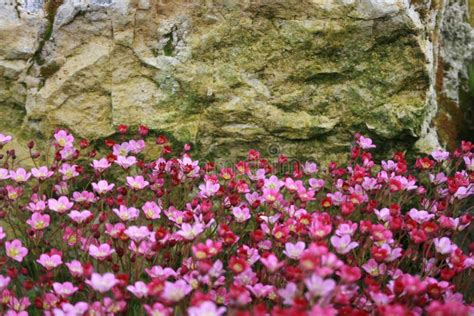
(113, 232)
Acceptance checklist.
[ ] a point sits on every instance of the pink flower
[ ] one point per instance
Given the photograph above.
(440, 155)
(126, 162)
(68, 171)
(241, 214)
(373, 268)
(318, 287)
(101, 252)
(288, 293)
(136, 233)
(79, 217)
(190, 232)
(114, 230)
(20, 175)
(49, 262)
(101, 164)
(207, 308)
(65, 289)
(15, 250)
(137, 183)
(383, 214)
(343, 244)
(158, 309)
(420, 216)
(102, 187)
(121, 150)
(209, 189)
(2, 233)
(174, 292)
(75, 268)
(39, 221)
(139, 289)
(4, 281)
(102, 283)
(63, 138)
(160, 272)
(5, 139)
(151, 210)
(365, 142)
(444, 245)
(42, 173)
(271, 262)
(4, 174)
(126, 214)
(60, 205)
(294, 251)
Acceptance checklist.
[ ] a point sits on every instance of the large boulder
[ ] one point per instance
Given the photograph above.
(294, 76)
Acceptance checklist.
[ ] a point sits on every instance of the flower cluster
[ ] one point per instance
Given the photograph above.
(118, 231)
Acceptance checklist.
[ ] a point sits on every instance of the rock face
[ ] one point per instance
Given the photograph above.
(296, 76)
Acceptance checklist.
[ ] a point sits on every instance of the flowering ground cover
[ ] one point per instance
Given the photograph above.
(114, 233)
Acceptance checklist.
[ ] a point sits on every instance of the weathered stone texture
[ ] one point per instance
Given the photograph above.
(229, 75)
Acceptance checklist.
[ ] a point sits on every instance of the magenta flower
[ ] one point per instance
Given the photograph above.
(139, 289)
(101, 252)
(174, 292)
(294, 251)
(65, 289)
(102, 187)
(5, 139)
(126, 214)
(39, 221)
(207, 308)
(151, 210)
(49, 262)
(60, 205)
(102, 283)
(79, 217)
(137, 183)
(42, 173)
(343, 244)
(15, 250)
(373, 268)
(365, 142)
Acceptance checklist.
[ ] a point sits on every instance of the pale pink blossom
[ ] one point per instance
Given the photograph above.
(139, 289)
(207, 308)
(79, 217)
(61, 205)
(294, 251)
(101, 252)
(176, 291)
(102, 187)
(5, 139)
(318, 287)
(65, 289)
(365, 142)
(39, 221)
(49, 262)
(126, 162)
(343, 244)
(63, 138)
(151, 210)
(100, 165)
(136, 233)
(15, 250)
(241, 214)
(75, 268)
(42, 173)
(444, 245)
(125, 213)
(20, 175)
(102, 283)
(137, 183)
(190, 232)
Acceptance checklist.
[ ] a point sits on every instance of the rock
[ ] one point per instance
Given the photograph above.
(293, 77)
